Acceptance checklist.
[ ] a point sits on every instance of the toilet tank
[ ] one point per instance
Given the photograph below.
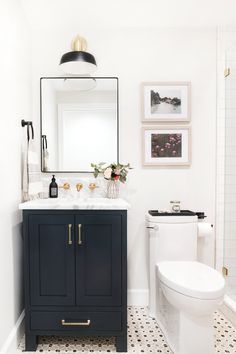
(172, 238)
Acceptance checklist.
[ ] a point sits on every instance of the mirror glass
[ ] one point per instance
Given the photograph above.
(79, 123)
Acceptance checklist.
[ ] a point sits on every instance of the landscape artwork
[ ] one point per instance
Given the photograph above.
(166, 102)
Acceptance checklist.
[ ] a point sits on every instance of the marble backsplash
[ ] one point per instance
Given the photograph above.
(85, 192)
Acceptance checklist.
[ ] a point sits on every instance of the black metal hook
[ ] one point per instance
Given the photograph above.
(28, 124)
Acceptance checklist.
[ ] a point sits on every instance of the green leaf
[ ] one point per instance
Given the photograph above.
(96, 173)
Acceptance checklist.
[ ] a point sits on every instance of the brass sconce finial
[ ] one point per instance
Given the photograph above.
(79, 44)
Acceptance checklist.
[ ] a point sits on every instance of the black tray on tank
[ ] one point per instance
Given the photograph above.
(181, 213)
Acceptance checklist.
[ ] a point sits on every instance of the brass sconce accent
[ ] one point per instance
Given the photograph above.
(79, 186)
(65, 186)
(79, 44)
(92, 186)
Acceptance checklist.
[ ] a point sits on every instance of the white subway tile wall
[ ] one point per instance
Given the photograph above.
(226, 157)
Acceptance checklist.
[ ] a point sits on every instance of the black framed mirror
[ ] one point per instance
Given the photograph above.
(79, 123)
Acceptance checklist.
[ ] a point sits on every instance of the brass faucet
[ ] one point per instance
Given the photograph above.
(65, 186)
(79, 186)
(92, 186)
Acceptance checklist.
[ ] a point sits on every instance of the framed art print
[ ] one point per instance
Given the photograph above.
(166, 102)
(166, 145)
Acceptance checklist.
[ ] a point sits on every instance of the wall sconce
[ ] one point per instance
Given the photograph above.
(78, 61)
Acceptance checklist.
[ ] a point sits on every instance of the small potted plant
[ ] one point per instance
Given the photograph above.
(113, 173)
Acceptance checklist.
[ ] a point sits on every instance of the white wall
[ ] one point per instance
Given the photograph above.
(15, 105)
(137, 55)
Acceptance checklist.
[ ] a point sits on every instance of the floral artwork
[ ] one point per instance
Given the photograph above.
(166, 145)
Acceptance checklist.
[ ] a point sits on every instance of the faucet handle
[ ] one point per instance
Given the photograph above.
(92, 186)
(79, 186)
(65, 186)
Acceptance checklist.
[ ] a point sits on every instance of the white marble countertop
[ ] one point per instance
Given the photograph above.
(76, 203)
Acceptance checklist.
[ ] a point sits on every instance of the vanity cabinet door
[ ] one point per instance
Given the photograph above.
(98, 260)
(52, 259)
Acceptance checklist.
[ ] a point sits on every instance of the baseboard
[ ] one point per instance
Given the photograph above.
(138, 297)
(13, 339)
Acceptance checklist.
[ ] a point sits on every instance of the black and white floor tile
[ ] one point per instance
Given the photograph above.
(225, 335)
(144, 336)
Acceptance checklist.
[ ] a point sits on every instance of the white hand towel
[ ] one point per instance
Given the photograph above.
(32, 184)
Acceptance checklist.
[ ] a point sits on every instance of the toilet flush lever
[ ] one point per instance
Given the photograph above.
(152, 227)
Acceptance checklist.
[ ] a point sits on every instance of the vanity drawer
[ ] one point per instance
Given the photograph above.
(76, 321)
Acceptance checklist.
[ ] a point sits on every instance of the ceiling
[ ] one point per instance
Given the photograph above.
(56, 14)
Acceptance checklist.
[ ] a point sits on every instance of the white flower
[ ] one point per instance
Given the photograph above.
(107, 173)
(117, 171)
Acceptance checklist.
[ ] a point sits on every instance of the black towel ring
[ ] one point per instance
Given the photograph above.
(29, 124)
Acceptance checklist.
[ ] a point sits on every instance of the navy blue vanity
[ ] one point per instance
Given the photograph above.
(75, 267)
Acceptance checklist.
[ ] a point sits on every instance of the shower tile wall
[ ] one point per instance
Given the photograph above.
(230, 169)
(226, 157)
(220, 151)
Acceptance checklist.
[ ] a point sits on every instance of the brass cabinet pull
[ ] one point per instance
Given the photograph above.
(64, 323)
(79, 235)
(69, 234)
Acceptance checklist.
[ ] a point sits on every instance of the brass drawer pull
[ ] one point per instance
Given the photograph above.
(79, 234)
(64, 323)
(69, 234)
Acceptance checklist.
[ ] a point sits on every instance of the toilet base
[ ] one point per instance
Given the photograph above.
(196, 334)
(184, 333)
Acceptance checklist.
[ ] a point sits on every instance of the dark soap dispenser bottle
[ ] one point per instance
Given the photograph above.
(53, 188)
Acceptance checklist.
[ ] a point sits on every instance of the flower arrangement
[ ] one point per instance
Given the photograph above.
(112, 172)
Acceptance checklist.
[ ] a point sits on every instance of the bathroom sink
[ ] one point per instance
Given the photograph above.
(75, 203)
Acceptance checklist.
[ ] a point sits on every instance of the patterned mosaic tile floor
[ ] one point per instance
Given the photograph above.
(144, 336)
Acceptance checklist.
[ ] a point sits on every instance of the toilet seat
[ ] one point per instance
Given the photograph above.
(192, 279)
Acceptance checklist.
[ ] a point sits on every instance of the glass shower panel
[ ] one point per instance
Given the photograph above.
(230, 173)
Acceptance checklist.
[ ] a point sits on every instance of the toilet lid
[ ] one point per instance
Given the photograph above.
(192, 279)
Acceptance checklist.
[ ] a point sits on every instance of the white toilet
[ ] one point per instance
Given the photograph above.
(183, 293)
